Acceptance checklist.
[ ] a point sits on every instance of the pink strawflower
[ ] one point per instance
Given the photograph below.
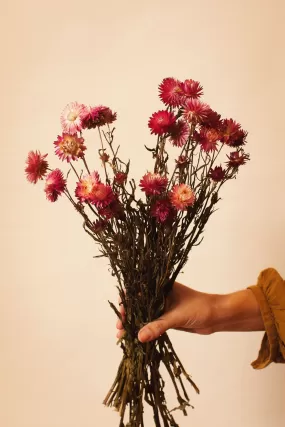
(85, 187)
(208, 139)
(153, 183)
(102, 195)
(237, 158)
(170, 92)
(232, 134)
(191, 89)
(55, 185)
(69, 147)
(98, 116)
(36, 167)
(162, 210)
(71, 117)
(217, 174)
(195, 111)
(182, 196)
(179, 133)
(161, 122)
(120, 178)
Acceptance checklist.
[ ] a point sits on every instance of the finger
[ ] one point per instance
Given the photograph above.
(119, 324)
(154, 329)
(120, 334)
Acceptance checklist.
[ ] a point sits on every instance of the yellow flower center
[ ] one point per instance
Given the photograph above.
(72, 116)
(70, 145)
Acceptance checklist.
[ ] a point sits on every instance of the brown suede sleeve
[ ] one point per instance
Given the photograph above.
(270, 294)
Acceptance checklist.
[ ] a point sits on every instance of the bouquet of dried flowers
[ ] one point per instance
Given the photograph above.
(146, 237)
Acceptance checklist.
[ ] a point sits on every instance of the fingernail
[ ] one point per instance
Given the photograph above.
(145, 335)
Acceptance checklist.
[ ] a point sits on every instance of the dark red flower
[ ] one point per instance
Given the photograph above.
(208, 139)
(104, 157)
(213, 120)
(179, 133)
(97, 116)
(99, 226)
(162, 210)
(232, 134)
(120, 178)
(217, 173)
(237, 158)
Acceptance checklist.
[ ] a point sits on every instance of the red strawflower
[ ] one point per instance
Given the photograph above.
(120, 178)
(69, 147)
(232, 134)
(182, 161)
(191, 89)
(161, 122)
(195, 110)
(217, 173)
(208, 139)
(98, 116)
(179, 133)
(36, 167)
(182, 196)
(237, 158)
(170, 92)
(55, 185)
(162, 210)
(113, 210)
(213, 120)
(85, 187)
(153, 183)
(102, 195)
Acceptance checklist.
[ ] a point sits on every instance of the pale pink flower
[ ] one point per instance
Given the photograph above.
(71, 117)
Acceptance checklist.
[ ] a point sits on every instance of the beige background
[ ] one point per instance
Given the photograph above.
(58, 354)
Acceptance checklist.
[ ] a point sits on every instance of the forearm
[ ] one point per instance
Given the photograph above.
(238, 311)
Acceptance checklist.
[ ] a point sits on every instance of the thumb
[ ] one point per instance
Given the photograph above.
(153, 330)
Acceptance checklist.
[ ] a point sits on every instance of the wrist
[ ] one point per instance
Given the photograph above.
(238, 311)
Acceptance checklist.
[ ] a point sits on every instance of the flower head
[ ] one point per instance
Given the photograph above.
(212, 120)
(71, 117)
(182, 161)
(55, 185)
(36, 166)
(217, 174)
(153, 183)
(195, 110)
(208, 139)
(162, 210)
(191, 89)
(97, 116)
(69, 147)
(182, 196)
(179, 133)
(232, 134)
(170, 92)
(237, 158)
(161, 122)
(120, 178)
(112, 210)
(85, 187)
(104, 157)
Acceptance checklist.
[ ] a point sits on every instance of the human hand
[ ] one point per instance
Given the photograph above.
(186, 309)
(192, 311)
